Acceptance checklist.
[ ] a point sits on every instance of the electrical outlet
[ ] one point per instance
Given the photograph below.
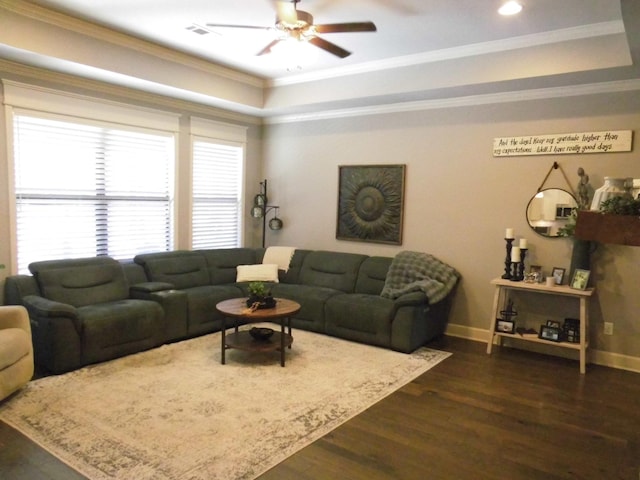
(608, 328)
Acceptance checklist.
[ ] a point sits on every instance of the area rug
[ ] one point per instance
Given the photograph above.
(175, 412)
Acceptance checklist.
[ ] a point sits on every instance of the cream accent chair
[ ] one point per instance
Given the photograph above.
(16, 349)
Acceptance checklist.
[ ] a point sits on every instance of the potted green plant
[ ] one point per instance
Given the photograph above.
(259, 296)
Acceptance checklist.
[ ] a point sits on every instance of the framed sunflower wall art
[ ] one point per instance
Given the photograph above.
(371, 203)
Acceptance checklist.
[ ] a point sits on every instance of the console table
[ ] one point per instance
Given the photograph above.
(502, 291)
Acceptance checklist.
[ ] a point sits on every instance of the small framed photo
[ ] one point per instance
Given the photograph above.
(571, 330)
(580, 279)
(558, 274)
(505, 326)
(553, 323)
(552, 334)
(534, 275)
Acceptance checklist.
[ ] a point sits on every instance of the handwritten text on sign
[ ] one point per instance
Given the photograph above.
(563, 144)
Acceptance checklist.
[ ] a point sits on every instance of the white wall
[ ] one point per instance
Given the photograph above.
(459, 198)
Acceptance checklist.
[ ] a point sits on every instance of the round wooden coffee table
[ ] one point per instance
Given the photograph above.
(236, 308)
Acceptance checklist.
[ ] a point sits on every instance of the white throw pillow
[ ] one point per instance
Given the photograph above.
(263, 272)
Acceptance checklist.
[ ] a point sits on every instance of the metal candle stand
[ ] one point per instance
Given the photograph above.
(507, 260)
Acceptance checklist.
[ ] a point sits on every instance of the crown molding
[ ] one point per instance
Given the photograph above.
(514, 43)
(467, 101)
(19, 72)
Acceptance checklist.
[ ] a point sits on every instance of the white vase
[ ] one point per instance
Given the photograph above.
(613, 187)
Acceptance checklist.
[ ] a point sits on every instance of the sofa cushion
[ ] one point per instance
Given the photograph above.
(267, 272)
(84, 285)
(182, 269)
(222, 262)
(360, 317)
(372, 275)
(201, 305)
(119, 328)
(335, 270)
(312, 300)
(293, 274)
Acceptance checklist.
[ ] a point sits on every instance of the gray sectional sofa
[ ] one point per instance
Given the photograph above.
(90, 310)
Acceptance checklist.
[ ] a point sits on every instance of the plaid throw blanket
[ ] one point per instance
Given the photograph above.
(414, 271)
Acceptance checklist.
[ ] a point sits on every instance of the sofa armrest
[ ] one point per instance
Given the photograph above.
(173, 302)
(43, 307)
(56, 330)
(149, 287)
(411, 299)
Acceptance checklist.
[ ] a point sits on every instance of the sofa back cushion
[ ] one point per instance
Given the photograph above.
(222, 262)
(372, 275)
(293, 274)
(331, 269)
(181, 268)
(81, 282)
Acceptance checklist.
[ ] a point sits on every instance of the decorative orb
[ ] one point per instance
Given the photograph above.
(275, 223)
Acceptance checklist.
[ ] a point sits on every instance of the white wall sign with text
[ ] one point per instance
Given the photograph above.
(563, 144)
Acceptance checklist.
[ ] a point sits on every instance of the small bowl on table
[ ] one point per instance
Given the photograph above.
(261, 333)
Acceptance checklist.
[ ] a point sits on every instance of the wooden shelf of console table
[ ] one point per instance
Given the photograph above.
(502, 290)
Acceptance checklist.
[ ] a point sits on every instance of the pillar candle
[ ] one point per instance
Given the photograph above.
(509, 233)
(523, 243)
(515, 254)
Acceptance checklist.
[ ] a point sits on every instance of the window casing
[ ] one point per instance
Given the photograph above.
(86, 188)
(217, 173)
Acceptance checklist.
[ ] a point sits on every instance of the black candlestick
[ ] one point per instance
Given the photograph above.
(523, 253)
(507, 260)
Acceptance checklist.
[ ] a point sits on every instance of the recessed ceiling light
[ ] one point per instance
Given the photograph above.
(510, 8)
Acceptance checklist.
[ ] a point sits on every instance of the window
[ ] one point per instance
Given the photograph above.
(217, 192)
(86, 188)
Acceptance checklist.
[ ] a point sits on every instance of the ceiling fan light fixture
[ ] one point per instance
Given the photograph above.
(510, 8)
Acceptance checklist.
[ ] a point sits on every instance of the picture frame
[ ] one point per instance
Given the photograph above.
(549, 333)
(571, 330)
(534, 275)
(580, 279)
(558, 274)
(370, 203)
(505, 326)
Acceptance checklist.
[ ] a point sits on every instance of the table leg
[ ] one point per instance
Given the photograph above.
(223, 341)
(282, 342)
(289, 329)
(584, 328)
(494, 316)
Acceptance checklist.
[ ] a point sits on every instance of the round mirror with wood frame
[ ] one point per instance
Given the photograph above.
(549, 210)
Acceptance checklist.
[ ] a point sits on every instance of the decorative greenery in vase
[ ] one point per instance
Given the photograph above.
(260, 295)
(257, 289)
(620, 206)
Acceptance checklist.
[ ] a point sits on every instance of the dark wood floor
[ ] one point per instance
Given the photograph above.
(513, 415)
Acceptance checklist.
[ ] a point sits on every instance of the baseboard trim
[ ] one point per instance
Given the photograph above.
(598, 357)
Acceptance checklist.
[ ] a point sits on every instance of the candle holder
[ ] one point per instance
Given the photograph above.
(523, 253)
(507, 260)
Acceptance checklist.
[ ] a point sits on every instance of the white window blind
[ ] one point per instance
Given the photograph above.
(217, 191)
(86, 188)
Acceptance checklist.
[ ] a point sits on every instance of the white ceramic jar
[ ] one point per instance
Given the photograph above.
(613, 187)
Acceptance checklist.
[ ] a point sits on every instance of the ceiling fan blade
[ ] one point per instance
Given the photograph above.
(286, 12)
(223, 25)
(268, 48)
(346, 27)
(329, 47)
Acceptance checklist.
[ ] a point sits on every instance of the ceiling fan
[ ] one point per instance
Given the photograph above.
(295, 24)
